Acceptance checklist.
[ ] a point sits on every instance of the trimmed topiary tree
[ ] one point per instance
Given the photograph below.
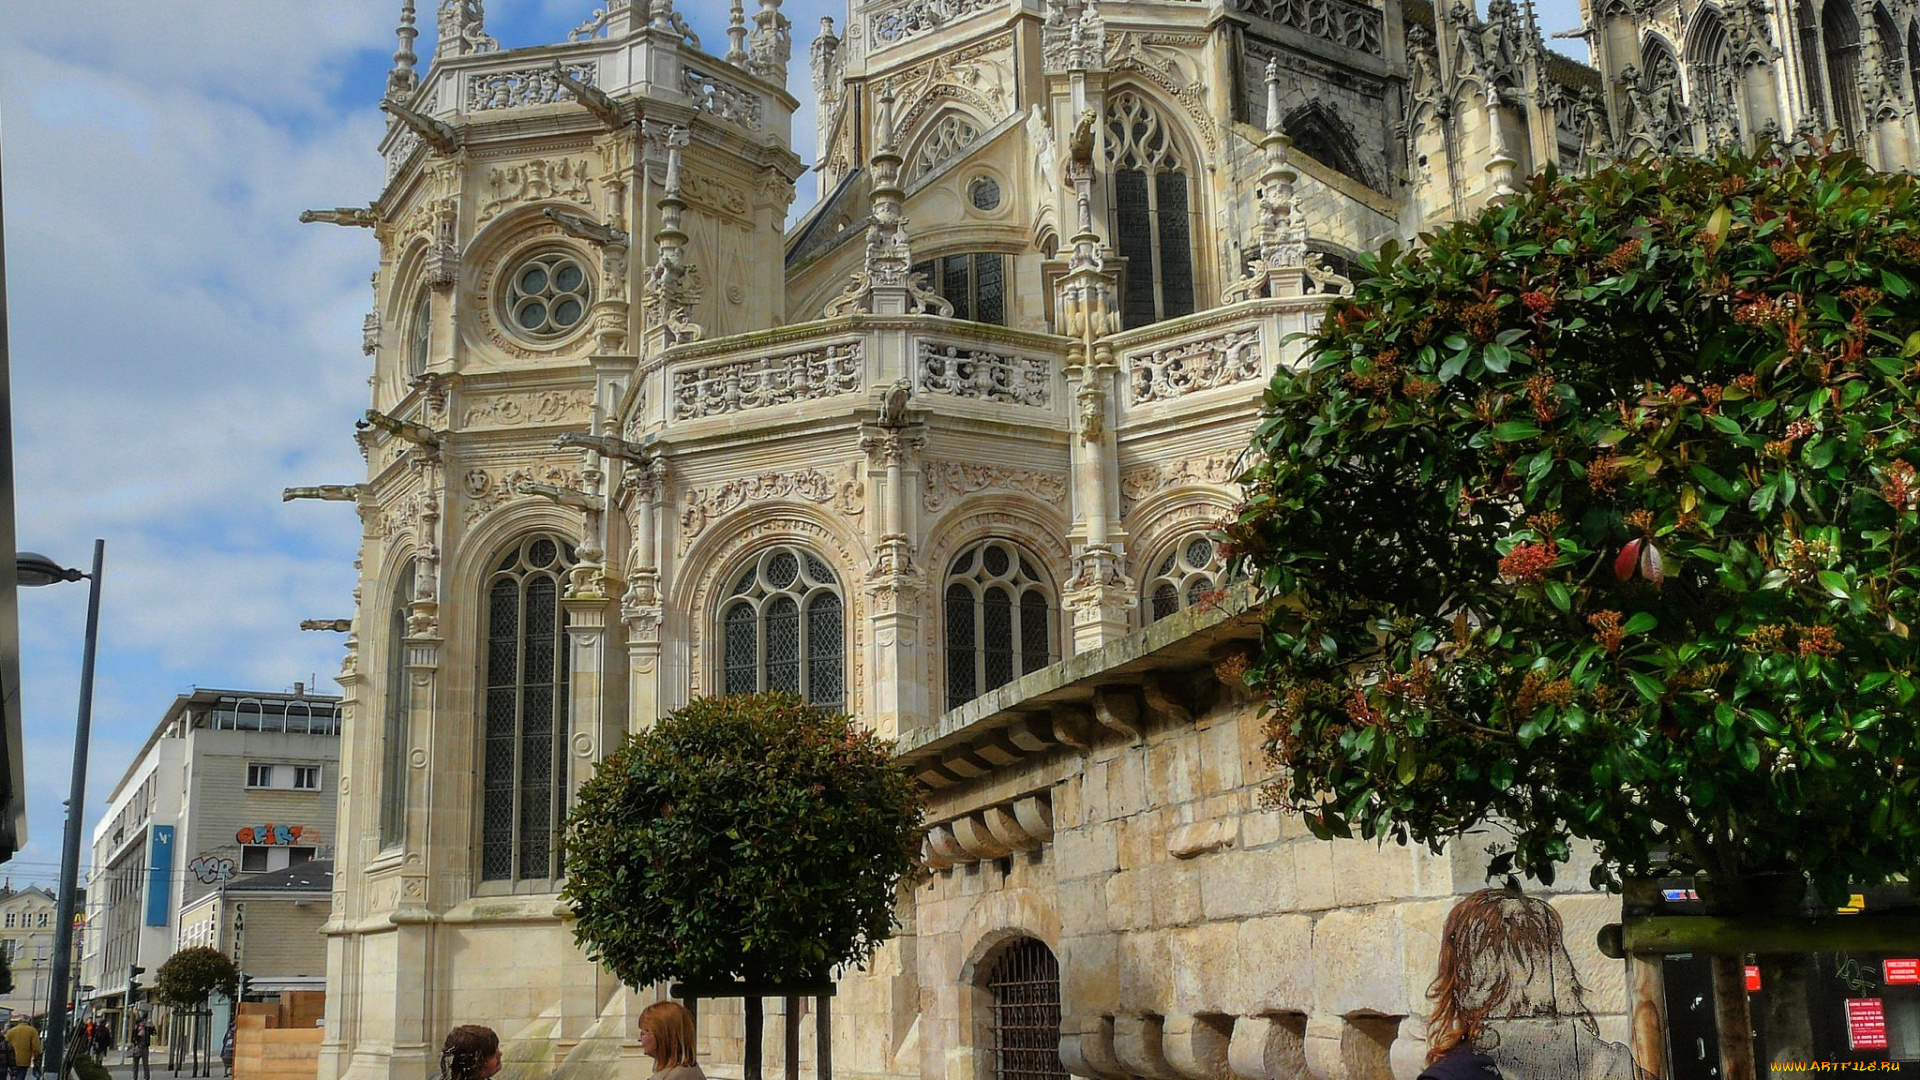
(190, 976)
(751, 837)
(1598, 515)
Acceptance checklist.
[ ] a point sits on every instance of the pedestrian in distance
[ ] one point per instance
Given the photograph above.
(471, 1052)
(22, 1047)
(102, 1041)
(666, 1036)
(140, 1044)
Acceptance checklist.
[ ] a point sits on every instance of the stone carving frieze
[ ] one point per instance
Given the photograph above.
(1141, 482)
(519, 87)
(538, 407)
(1168, 59)
(486, 490)
(739, 385)
(983, 375)
(977, 75)
(1178, 370)
(947, 481)
(402, 148)
(1355, 26)
(713, 193)
(915, 17)
(535, 180)
(840, 488)
(719, 98)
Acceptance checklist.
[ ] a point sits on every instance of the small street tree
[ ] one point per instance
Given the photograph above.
(1597, 515)
(750, 837)
(190, 976)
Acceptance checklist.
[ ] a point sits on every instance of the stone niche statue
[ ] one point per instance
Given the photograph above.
(1507, 996)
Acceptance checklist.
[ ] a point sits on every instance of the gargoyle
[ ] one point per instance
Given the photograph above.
(592, 98)
(338, 626)
(353, 217)
(417, 434)
(581, 227)
(578, 500)
(606, 445)
(435, 133)
(324, 492)
(893, 404)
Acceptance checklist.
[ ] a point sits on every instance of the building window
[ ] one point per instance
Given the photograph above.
(393, 751)
(1151, 209)
(525, 709)
(952, 134)
(1840, 35)
(976, 285)
(11, 919)
(45, 920)
(547, 295)
(420, 335)
(261, 858)
(999, 620)
(253, 858)
(306, 778)
(1023, 990)
(1189, 574)
(783, 627)
(259, 775)
(984, 194)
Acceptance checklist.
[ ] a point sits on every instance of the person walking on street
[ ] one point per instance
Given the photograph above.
(140, 1041)
(23, 1040)
(471, 1052)
(666, 1036)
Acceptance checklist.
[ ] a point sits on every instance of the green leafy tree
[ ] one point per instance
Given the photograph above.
(1596, 515)
(190, 976)
(747, 837)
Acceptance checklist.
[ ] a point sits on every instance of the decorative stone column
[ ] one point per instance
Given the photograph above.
(885, 284)
(642, 486)
(895, 584)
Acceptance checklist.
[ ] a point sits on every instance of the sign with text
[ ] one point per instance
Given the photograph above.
(1866, 1024)
(1900, 971)
(159, 875)
(1753, 978)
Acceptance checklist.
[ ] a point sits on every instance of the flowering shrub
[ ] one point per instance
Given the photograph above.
(746, 837)
(1597, 514)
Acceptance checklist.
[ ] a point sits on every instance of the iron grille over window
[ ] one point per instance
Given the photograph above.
(1151, 205)
(1187, 576)
(999, 620)
(784, 628)
(393, 751)
(976, 285)
(1024, 985)
(525, 702)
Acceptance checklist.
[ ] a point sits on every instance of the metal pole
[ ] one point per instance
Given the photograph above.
(58, 997)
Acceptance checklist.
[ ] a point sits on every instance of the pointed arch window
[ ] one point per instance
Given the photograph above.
(1913, 60)
(419, 335)
(1710, 68)
(999, 620)
(1318, 131)
(1840, 37)
(1187, 576)
(783, 627)
(1807, 26)
(393, 736)
(950, 135)
(1152, 207)
(524, 702)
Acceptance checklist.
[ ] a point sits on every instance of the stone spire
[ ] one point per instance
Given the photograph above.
(402, 81)
(1279, 267)
(885, 283)
(737, 34)
(772, 43)
(672, 285)
(463, 29)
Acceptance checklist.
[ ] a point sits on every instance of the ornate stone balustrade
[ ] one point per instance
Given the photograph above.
(518, 87)
(1356, 26)
(723, 100)
(1172, 371)
(983, 373)
(893, 25)
(804, 374)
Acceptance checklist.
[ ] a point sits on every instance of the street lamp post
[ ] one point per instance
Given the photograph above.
(39, 570)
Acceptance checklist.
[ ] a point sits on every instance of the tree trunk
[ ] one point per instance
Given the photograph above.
(1731, 1015)
(1785, 979)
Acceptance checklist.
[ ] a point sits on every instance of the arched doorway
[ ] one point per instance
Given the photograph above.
(1023, 1021)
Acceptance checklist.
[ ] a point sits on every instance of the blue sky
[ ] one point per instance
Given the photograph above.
(182, 348)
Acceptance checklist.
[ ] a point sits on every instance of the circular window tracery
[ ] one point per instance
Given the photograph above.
(999, 620)
(547, 295)
(783, 627)
(984, 193)
(1187, 576)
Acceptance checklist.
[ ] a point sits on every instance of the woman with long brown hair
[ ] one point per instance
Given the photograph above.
(471, 1052)
(666, 1036)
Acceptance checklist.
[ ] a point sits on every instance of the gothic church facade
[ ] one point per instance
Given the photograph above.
(944, 453)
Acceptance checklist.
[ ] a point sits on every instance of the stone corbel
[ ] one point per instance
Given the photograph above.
(1163, 700)
(1197, 1046)
(1086, 1048)
(1269, 1047)
(1118, 710)
(1070, 728)
(977, 840)
(1231, 661)
(1137, 1042)
(1035, 816)
(1006, 828)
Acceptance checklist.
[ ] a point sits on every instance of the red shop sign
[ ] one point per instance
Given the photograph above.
(1866, 1024)
(1901, 971)
(1753, 978)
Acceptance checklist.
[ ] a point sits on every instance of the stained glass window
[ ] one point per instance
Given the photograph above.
(784, 628)
(975, 284)
(1190, 575)
(999, 620)
(419, 335)
(524, 709)
(393, 750)
(1151, 203)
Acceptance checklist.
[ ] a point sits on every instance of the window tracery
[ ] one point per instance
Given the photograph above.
(393, 750)
(999, 620)
(783, 628)
(975, 284)
(1151, 199)
(1840, 39)
(420, 335)
(524, 710)
(1186, 576)
(951, 134)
